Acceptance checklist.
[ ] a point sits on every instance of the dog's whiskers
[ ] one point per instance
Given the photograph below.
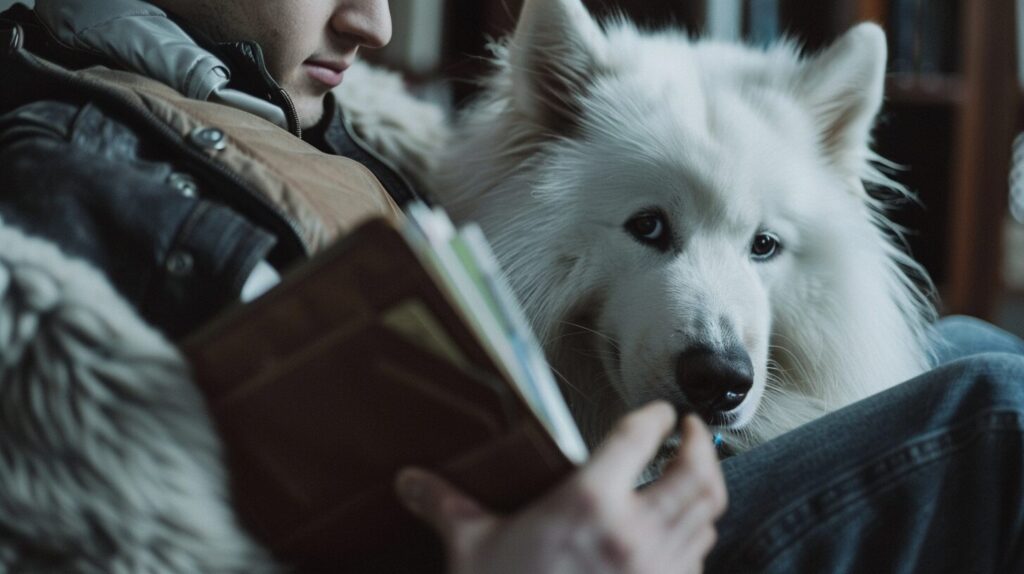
(565, 381)
(797, 364)
(564, 335)
(598, 354)
(611, 340)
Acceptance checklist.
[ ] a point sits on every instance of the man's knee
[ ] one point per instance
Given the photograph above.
(997, 378)
(962, 324)
(960, 336)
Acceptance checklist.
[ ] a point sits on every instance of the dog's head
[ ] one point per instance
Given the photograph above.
(680, 205)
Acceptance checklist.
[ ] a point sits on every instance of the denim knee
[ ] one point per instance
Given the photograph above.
(965, 322)
(879, 494)
(959, 336)
(989, 380)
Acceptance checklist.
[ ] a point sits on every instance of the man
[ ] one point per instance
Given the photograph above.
(184, 212)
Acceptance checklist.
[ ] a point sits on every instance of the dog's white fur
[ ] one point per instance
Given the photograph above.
(108, 460)
(409, 133)
(583, 126)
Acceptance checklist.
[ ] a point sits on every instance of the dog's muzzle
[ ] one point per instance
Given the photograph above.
(715, 381)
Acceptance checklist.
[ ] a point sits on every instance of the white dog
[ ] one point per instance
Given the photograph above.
(688, 220)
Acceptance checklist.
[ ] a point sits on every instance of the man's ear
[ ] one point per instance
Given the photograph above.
(844, 86)
(556, 50)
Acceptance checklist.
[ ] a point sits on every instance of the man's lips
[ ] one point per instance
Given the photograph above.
(328, 73)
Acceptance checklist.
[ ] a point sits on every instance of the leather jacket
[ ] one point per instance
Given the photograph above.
(176, 234)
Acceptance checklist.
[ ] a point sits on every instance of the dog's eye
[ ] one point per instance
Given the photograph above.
(650, 228)
(765, 247)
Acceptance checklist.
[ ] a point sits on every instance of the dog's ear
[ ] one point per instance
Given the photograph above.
(844, 86)
(555, 52)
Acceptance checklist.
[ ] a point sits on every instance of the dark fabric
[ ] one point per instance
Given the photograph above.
(92, 186)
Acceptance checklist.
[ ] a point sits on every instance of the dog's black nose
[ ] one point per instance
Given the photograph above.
(715, 380)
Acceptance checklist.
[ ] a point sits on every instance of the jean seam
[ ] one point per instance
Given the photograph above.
(837, 498)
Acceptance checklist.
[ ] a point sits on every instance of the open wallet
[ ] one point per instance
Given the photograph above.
(400, 345)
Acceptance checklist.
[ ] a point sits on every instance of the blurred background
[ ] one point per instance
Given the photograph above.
(953, 115)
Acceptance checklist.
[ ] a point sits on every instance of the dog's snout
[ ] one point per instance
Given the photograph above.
(715, 380)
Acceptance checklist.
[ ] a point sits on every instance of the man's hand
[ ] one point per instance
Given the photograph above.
(595, 521)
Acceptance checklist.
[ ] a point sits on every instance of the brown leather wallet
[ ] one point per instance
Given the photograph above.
(321, 399)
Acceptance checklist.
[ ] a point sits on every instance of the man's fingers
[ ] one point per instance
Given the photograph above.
(683, 547)
(694, 473)
(692, 551)
(629, 447)
(457, 518)
(695, 520)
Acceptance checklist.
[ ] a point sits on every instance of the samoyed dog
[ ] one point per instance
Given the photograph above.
(688, 220)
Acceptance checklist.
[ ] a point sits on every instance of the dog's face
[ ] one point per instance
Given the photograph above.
(698, 184)
(690, 233)
(689, 241)
(687, 199)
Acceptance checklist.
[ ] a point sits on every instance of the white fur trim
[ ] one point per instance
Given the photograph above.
(409, 132)
(108, 461)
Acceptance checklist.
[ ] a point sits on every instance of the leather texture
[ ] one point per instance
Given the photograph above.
(323, 195)
(321, 400)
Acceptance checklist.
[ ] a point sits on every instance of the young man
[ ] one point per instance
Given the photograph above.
(186, 207)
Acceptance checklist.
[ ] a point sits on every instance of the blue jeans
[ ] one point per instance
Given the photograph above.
(925, 477)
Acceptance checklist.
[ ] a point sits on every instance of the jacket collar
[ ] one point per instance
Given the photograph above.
(137, 36)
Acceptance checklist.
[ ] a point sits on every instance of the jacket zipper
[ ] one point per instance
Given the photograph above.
(290, 111)
(175, 139)
(294, 125)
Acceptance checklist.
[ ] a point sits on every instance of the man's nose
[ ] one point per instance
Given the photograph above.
(366, 22)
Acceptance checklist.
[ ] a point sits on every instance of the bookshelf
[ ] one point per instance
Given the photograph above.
(925, 89)
(950, 116)
(954, 127)
(986, 127)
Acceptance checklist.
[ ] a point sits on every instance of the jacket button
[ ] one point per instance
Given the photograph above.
(208, 139)
(183, 184)
(180, 263)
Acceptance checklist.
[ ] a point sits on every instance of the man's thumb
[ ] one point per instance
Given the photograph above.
(456, 517)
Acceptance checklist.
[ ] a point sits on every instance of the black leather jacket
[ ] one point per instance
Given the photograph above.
(176, 236)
